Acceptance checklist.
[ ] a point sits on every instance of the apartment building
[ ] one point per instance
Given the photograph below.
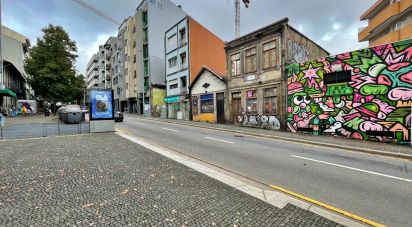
(388, 21)
(92, 73)
(256, 73)
(153, 18)
(118, 70)
(13, 84)
(189, 46)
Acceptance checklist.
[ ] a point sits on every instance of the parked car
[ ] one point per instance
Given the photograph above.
(118, 116)
(70, 114)
(84, 109)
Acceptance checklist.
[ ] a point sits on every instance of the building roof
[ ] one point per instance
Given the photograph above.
(221, 78)
(15, 35)
(278, 25)
(372, 10)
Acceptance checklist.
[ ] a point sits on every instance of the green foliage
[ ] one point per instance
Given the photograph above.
(50, 67)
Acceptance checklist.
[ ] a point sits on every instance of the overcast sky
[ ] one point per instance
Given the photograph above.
(331, 23)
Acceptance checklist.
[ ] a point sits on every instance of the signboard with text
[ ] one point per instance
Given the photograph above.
(101, 104)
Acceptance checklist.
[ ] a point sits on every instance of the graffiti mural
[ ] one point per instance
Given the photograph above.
(265, 121)
(365, 94)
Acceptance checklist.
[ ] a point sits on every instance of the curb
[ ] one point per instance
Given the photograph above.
(329, 145)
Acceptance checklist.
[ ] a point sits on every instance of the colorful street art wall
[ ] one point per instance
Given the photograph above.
(365, 94)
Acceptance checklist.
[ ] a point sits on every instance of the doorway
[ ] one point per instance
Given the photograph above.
(236, 106)
(220, 107)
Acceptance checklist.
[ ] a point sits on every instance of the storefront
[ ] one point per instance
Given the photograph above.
(177, 107)
(207, 97)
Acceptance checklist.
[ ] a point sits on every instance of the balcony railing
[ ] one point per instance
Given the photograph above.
(182, 66)
(183, 89)
(182, 42)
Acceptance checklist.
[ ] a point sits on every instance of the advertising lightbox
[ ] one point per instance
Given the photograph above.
(101, 104)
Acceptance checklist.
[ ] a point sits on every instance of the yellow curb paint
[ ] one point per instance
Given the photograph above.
(329, 207)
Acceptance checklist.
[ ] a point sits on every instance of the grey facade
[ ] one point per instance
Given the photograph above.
(153, 19)
(118, 70)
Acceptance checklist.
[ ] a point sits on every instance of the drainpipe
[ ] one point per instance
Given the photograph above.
(284, 89)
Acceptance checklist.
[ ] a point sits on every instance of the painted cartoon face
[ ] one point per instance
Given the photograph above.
(302, 100)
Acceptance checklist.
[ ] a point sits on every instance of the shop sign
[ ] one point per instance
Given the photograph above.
(172, 99)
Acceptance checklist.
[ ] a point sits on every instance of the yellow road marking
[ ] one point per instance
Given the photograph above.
(329, 207)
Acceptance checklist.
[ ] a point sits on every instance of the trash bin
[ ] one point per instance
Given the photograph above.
(71, 114)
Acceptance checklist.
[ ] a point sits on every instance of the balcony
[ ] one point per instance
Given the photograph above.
(182, 42)
(108, 54)
(384, 18)
(401, 34)
(108, 77)
(183, 90)
(183, 66)
(108, 66)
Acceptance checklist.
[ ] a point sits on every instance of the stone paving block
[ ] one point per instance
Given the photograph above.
(105, 180)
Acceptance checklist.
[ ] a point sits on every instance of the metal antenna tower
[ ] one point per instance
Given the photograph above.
(96, 11)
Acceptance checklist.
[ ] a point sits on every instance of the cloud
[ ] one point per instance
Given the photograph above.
(337, 35)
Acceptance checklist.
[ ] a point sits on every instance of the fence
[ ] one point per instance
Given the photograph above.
(42, 129)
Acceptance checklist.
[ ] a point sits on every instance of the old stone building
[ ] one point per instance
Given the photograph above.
(256, 73)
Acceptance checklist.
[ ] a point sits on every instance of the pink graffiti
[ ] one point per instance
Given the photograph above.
(396, 67)
(407, 77)
(400, 93)
(370, 126)
(351, 116)
(361, 99)
(383, 106)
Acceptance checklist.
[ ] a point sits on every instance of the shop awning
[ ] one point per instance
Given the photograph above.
(7, 92)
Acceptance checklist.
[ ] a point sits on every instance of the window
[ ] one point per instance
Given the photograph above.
(235, 64)
(146, 67)
(269, 54)
(182, 33)
(172, 62)
(173, 86)
(250, 60)
(135, 74)
(183, 61)
(144, 18)
(251, 102)
(172, 40)
(145, 51)
(134, 58)
(145, 37)
(270, 101)
(206, 103)
(337, 77)
(183, 82)
(399, 25)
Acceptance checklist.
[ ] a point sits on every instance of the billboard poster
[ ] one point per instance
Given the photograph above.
(101, 104)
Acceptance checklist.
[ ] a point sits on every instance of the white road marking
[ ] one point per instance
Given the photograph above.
(168, 129)
(224, 141)
(351, 168)
(138, 123)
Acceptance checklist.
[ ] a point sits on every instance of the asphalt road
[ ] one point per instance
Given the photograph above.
(374, 187)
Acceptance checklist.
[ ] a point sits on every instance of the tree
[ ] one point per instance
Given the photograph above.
(51, 66)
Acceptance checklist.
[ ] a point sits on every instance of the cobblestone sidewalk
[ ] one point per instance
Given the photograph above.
(105, 180)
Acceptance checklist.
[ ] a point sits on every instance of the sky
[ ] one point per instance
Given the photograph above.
(333, 24)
